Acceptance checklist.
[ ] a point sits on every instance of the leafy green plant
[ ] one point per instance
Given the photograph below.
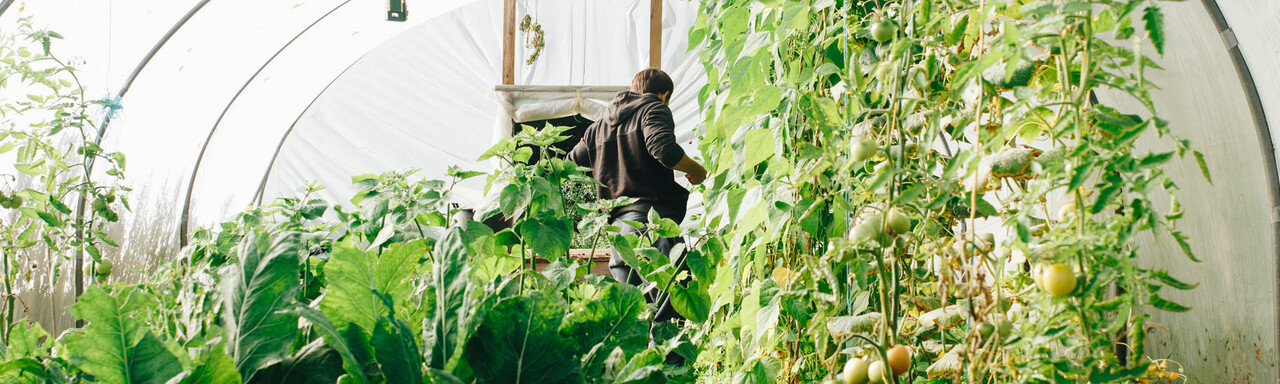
(298, 291)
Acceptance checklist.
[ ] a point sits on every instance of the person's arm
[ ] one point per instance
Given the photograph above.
(660, 140)
(693, 171)
(581, 152)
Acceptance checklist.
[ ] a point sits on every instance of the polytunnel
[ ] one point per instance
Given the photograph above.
(227, 104)
(306, 66)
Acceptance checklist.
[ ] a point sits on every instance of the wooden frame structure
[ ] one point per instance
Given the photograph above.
(509, 39)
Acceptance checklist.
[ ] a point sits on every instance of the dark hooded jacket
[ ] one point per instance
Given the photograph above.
(631, 151)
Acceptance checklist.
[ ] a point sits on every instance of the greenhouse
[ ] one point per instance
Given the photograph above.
(639, 191)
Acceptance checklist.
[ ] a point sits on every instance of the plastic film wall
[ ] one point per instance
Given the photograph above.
(1229, 336)
(421, 112)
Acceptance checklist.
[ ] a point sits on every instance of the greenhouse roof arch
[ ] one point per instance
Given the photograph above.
(287, 56)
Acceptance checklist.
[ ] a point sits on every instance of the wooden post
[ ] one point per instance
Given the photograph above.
(509, 43)
(655, 33)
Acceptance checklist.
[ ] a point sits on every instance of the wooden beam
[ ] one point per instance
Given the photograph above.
(509, 43)
(655, 34)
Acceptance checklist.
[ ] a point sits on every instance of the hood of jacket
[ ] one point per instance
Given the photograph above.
(625, 104)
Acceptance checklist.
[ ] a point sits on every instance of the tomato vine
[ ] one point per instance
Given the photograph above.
(902, 158)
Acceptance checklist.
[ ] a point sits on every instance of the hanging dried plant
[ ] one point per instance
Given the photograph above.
(532, 37)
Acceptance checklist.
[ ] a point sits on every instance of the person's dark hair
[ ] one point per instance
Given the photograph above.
(653, 81)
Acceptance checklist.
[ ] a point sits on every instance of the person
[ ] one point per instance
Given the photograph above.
(632, 152)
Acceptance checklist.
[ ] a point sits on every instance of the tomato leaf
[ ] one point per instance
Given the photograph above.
(1204, 168)
(1182, 242)
(1161, 303)
(1120, 375)
(1164, 277)
(1154, 19)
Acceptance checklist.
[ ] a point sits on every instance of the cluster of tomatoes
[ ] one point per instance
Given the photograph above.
(859, 371)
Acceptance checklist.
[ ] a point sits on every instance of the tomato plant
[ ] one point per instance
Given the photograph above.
(54, 144)
(903, 158)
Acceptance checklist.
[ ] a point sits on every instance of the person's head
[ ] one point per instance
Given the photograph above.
(653, 81)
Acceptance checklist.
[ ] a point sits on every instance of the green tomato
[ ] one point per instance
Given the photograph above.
(104, 267)
(985, 329)
(1004, 328)
(863, 149)
(855, 371)
(876, 373)
(14, 201)
(883, 31)
(1058, 279)
(898, 222)
(871, 228)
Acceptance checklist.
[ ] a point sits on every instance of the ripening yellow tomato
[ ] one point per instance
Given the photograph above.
(1058, 279)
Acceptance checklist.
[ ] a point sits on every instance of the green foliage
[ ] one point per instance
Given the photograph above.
(612, 320)
(450, 285)
(315, 362)
(53, 143)
(115, 347)
(984, 111)
(256, 293)
(519, 342)
(852, 148)
(358, 278)
(214, 367)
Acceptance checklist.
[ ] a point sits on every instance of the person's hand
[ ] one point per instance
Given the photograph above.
(697, 176)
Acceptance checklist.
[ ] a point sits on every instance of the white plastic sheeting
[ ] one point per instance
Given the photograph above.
(256, 99)
(417, 110)
(1230, 334)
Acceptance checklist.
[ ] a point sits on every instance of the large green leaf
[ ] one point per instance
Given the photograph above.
(316, 362)
(26, 370)
(692, 302)
(610, 321)
(450, 283)
(518, 342)
(334, 339)
(214, 367)
(114, 347)
(256, 293)
(547, 234)
(355, 276)
(396, 351)
(27, 339)
(758, 146)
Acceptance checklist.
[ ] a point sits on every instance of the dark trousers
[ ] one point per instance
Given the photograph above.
(624, 273)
